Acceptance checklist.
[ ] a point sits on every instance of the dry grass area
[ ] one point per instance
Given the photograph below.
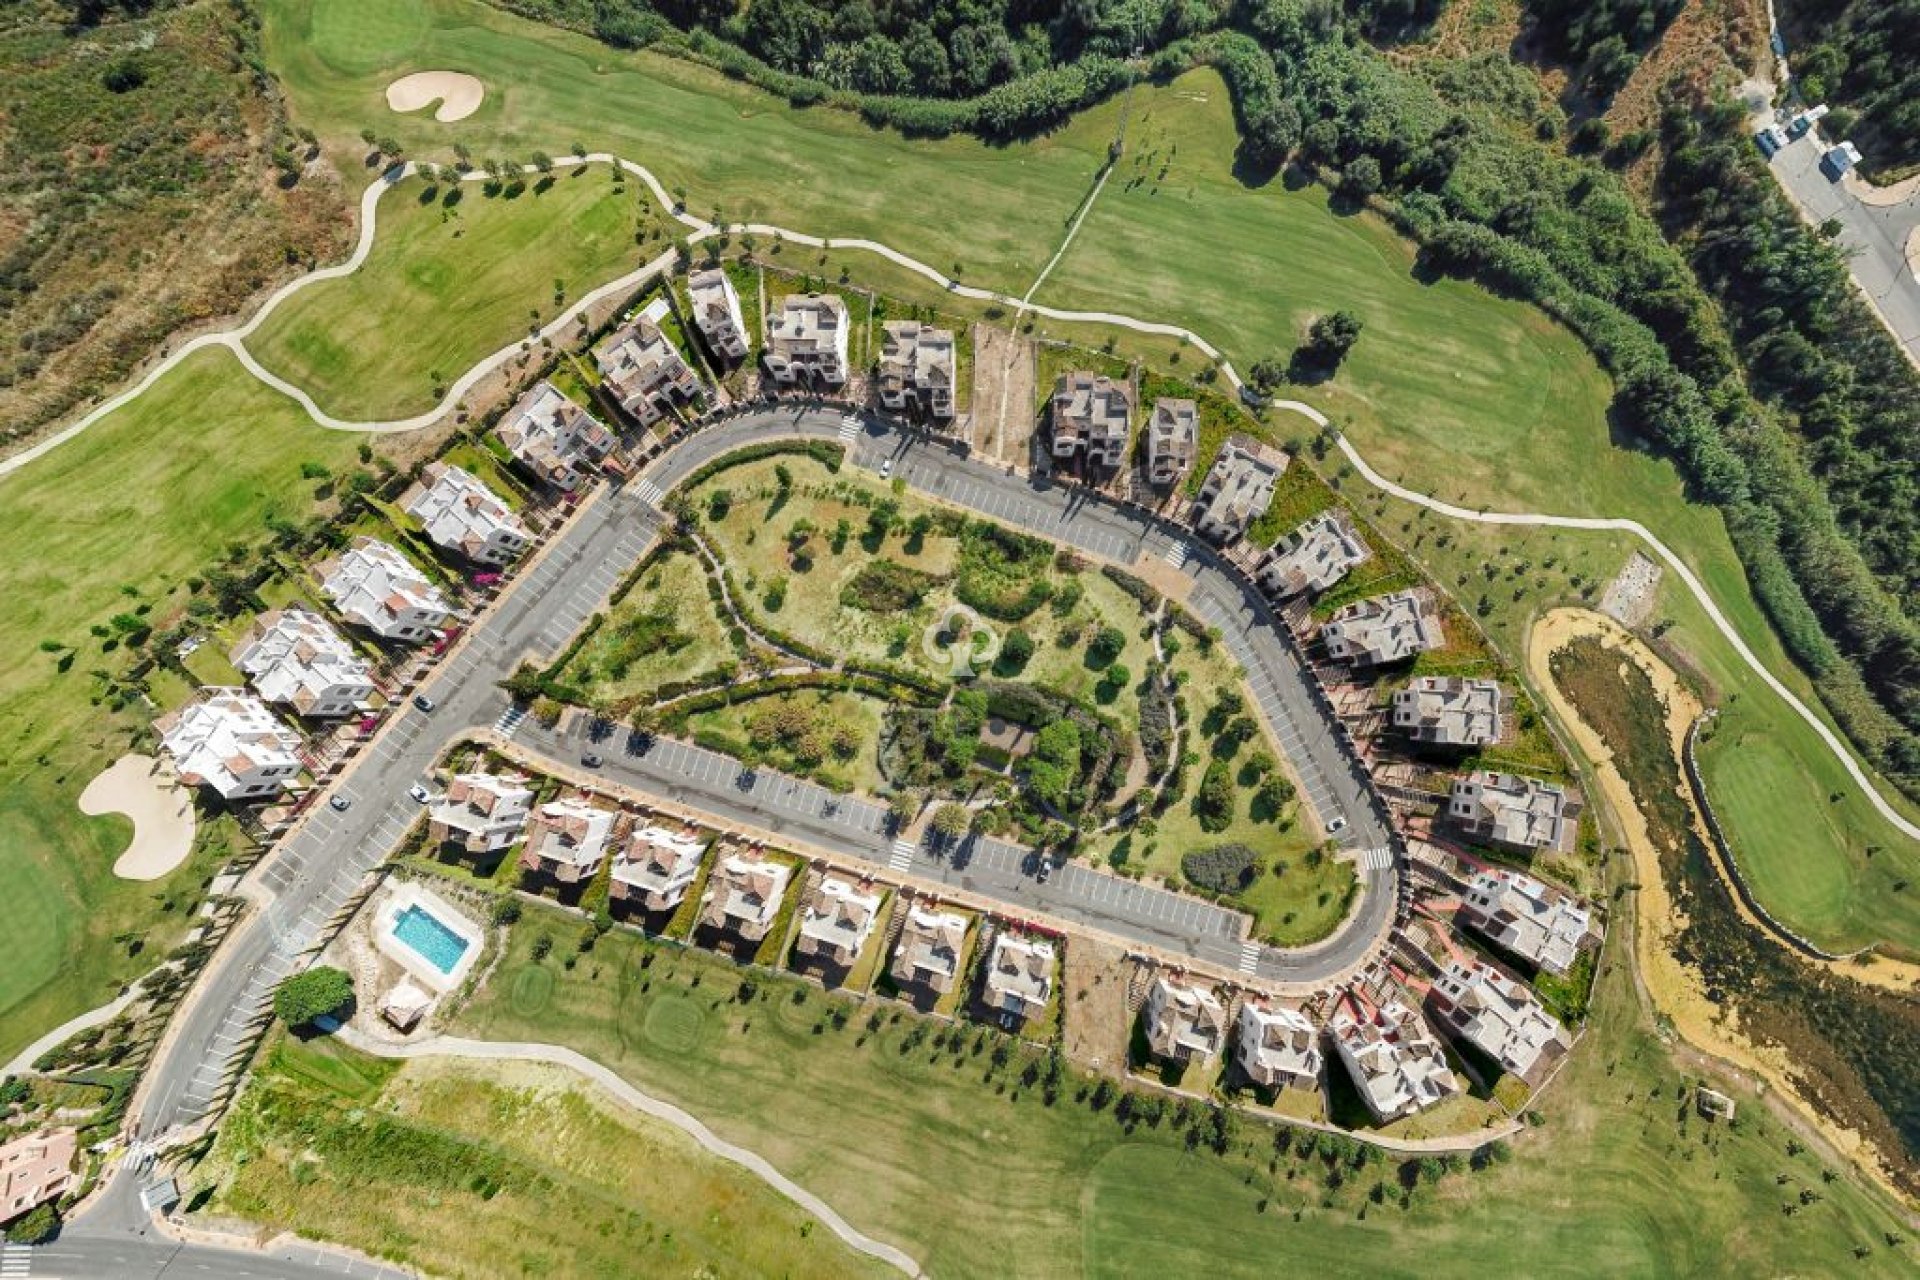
(1095, 1017)
(141, 198)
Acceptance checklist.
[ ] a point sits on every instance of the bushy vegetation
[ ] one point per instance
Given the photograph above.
(1864, 55)
(1224, 868)
(1002, 573)
(883, 586)
(1603, 40)
(313, 994)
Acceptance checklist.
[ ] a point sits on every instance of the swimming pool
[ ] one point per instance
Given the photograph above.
(424, 933)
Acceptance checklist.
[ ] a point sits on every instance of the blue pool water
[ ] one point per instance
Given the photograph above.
(441, 946)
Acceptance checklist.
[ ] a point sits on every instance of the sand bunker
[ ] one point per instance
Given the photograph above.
(457, 93)
(160, 809)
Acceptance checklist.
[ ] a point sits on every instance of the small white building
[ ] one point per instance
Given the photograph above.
(1019, 978)
(1091, 418)
(1173, 440)
(1500, 1018)
(1515, 811)
(918, 368)
(837, 920)
(1451, 711)
(462, 515)
(1526, 918)
(567, 840)
(1313, 557)
(656, 867)
(1185, 1021)
(1397, 1065)
(553, 437)
(295, 659)
(807, 341)
(1384, 629)
(378, 588)
(1238, 488)
(227, 741)
(716, 313)
(645, 373)
(1278, 1046)
(481, 812)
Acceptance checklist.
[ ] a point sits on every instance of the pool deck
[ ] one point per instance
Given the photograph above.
(397, 901)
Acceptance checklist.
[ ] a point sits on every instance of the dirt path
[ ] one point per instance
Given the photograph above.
(1675, 988)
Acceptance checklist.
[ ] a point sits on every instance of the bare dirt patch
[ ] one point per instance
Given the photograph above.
(458, 94)
(1629, 597)
(1097, 1021)
(1003, 365)
(160, 809)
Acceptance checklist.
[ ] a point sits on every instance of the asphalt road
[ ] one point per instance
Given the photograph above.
(1874, 236)
(315, 870)
(87, 1251)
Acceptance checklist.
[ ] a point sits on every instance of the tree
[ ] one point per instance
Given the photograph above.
(314, 994)
(1106, 645)
(1328, 341)
(37, 1227)
(952, 820)
(1213, 803)
(1015, 651)
(1361, 178)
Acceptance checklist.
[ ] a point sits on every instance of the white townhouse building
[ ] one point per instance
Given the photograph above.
(462, 515)
(553, 437)
(378, 588)
(296, 660)
(227, 741)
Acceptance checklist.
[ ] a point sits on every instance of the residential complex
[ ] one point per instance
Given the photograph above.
(1499, 1017)
(1526, 918)
(1238, 488)
(807, 341)
(462, 515)
(553, 437)
(1515, 811)
(481, 813)
(1395, 1062)
(837, 919)
(1090, 420)
(1384, 629)
(1313, 557)
(655, 867)
(1173, 439)
(295, 659)
(376, 587)
(930, 948)
(1185, 1021)
(227, 741)
(34, 1169)
(1278, 1046)
(644, 372)
(744, 892)
(917, 368)
(716, 313)
(1019, 977)
(1451, 711)
(567, 840)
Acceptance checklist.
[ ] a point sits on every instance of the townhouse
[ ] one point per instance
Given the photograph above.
(1313, 557)
(463, 516)
(716, 313)
(553, 437)
(1238, 488)
(481, 813)
(645, 373)
(930, 948)
(1501, 1018)
(35, 1168)
(227, 741)
(1089, 419)
(1526, 814)
(376, 587)
(294, 659)
(1395, 1061)
(837, 919)
(1185, 1021)
(1527, 918)
(1384, 629)
(1277, 1047)
(807, 341)
(655, 867)
(917, 368)
(1173, 440)
(1451, 711)
(1019, 976)
(567, 840)
(744, 893)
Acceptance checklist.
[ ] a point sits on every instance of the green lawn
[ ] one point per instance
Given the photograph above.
(514, 1171)
(665, 630)
(144, 499)
(885, 1123)
(447, 285)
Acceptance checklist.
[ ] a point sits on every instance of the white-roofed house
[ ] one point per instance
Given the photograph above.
(918, 368)
(1313, 557)
(807, 340)
(1515, 811)
(295, 659)
(836, 920)
(1185, 1021)
(1278, 1048)
(1019, 975)
(1173, 440)
(1238, 488)
(1527, 918)
(744, 894)
(378, 588)
(1501, 1018)
(930, 948)
(645, 373)
(462, 515)
(1090, 420)
(1394, 1060)
(716, 313)
(567, 840)
(482, 813)
(227, 741)
(553, 437)
(655, 867)
(1384, 629)
(1451, 711)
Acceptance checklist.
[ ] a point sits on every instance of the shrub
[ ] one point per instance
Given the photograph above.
(1213, 803)
(882, 586)
(1224, 868)
(314, 994)
(1106, 645)
(37, 1227)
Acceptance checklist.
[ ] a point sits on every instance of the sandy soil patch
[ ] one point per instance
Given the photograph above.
(1003, 364)
(1097, 1020)
(458, 94)
(1675, 988)
(160, 809)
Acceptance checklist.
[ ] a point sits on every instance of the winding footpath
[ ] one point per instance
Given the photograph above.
(647, 1104)
(700, 230)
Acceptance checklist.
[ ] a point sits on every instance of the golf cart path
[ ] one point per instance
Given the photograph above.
(234, 340)
(647, 1104)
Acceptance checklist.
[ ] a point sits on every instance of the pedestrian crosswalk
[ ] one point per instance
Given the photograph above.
(1374, 859)
(1177, 552)
(1249, 956)
(16, 1261)
(510, 719)
(850, 426)
(648, 492)
(903, 851)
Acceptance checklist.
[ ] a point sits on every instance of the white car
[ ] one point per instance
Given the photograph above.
(886, 468)
(419, 793)
(1336, 826)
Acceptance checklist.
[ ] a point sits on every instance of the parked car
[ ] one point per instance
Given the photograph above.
(1770, 140)
(886, 468)
(1336, 826)
(339, 803)
(591, 760)
(423, 702)
(419, 793)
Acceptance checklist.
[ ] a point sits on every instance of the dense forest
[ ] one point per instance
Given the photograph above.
(1864, 57)
(1602, 40)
